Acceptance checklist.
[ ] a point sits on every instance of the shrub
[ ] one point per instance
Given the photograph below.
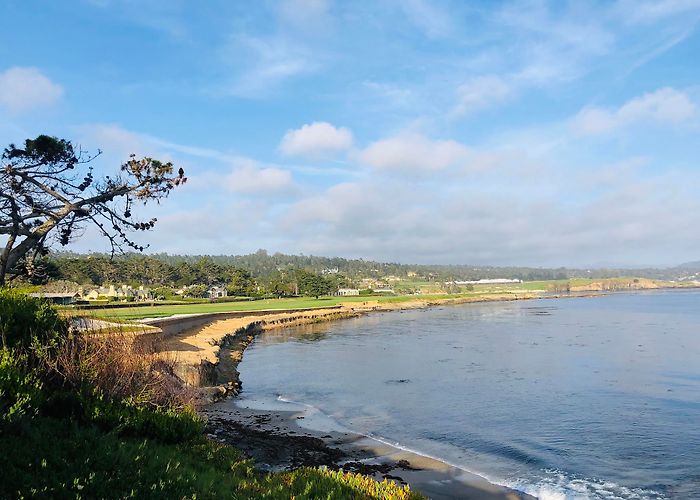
(27, 321)
(119, 381)
(168, 425)
(120, 366)
(20, 389)
(57, 459)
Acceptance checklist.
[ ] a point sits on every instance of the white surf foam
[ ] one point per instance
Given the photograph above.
(553, 484)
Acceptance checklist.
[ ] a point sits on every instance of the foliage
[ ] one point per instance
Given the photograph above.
(241, 283)
(313, 285)
(56, 458)
(27, 321)
(338, 482)
(20, 389)
(44, 193)
(196, 291)
(125, 418)
(164, 293)
(262, 265)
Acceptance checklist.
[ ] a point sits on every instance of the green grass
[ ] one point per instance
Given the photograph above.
(129, 313)
(54, 458)
(269, 304)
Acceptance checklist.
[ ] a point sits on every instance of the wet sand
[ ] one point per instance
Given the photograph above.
(275, 441)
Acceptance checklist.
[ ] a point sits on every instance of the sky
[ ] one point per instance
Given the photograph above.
(540, 133)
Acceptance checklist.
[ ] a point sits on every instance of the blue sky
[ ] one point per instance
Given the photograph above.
(515, 132)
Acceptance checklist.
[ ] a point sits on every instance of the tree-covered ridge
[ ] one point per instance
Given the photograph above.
(245, 272)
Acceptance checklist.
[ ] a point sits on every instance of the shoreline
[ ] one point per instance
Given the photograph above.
(206, 348)
(275, 440)
(207, 351)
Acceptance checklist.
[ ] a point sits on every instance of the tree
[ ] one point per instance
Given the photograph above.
(313, 285)
(43, 193)
(196, 291)
(240, 283)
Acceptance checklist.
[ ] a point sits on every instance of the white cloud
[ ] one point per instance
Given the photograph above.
(249, 177)
(480, 93)
(633, 220)
(664, 105)
(118, 141)
(414, 152)
(316, 140)
(395, 94)
(654, 10)
(432, 20)
(24, 88)
(267, 62)
(306, 15)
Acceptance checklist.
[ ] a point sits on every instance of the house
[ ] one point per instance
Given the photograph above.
(347, 292)
(123, 292)
(383, 290)
(56, 298)
(217, 292)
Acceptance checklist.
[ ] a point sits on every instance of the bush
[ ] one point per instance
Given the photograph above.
(120, 366)
(58, 459)
(27, 321)
(120, 382)
(20, 389)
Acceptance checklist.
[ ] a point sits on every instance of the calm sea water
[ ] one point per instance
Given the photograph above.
(562, 398)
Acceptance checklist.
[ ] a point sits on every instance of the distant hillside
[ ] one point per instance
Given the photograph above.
(693, 266)
(263, 264)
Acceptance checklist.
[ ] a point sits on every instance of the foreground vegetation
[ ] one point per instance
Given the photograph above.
(105, 417)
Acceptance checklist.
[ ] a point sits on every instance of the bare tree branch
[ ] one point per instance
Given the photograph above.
(42, 193)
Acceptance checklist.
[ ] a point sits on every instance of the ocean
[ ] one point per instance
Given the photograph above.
(594, 397)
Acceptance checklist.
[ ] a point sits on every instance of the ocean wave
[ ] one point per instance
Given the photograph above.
(552, 484)
(559, 485)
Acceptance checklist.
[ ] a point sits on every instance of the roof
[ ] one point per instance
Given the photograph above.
(52, 295)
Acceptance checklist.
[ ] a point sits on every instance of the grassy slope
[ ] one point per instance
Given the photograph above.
(256, 305)
(57, 459)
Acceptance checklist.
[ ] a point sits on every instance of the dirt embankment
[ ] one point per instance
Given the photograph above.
(618, 285)
(207, 356)
(207, 349)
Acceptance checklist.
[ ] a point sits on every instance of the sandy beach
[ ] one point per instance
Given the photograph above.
(275, 441)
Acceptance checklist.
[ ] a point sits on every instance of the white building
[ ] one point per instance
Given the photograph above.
(347, 292)
(56, 298)
(122, 292)
(217, 292)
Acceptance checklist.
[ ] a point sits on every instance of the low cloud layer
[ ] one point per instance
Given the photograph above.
(26, 88)
(415, 153)
(666, 105)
